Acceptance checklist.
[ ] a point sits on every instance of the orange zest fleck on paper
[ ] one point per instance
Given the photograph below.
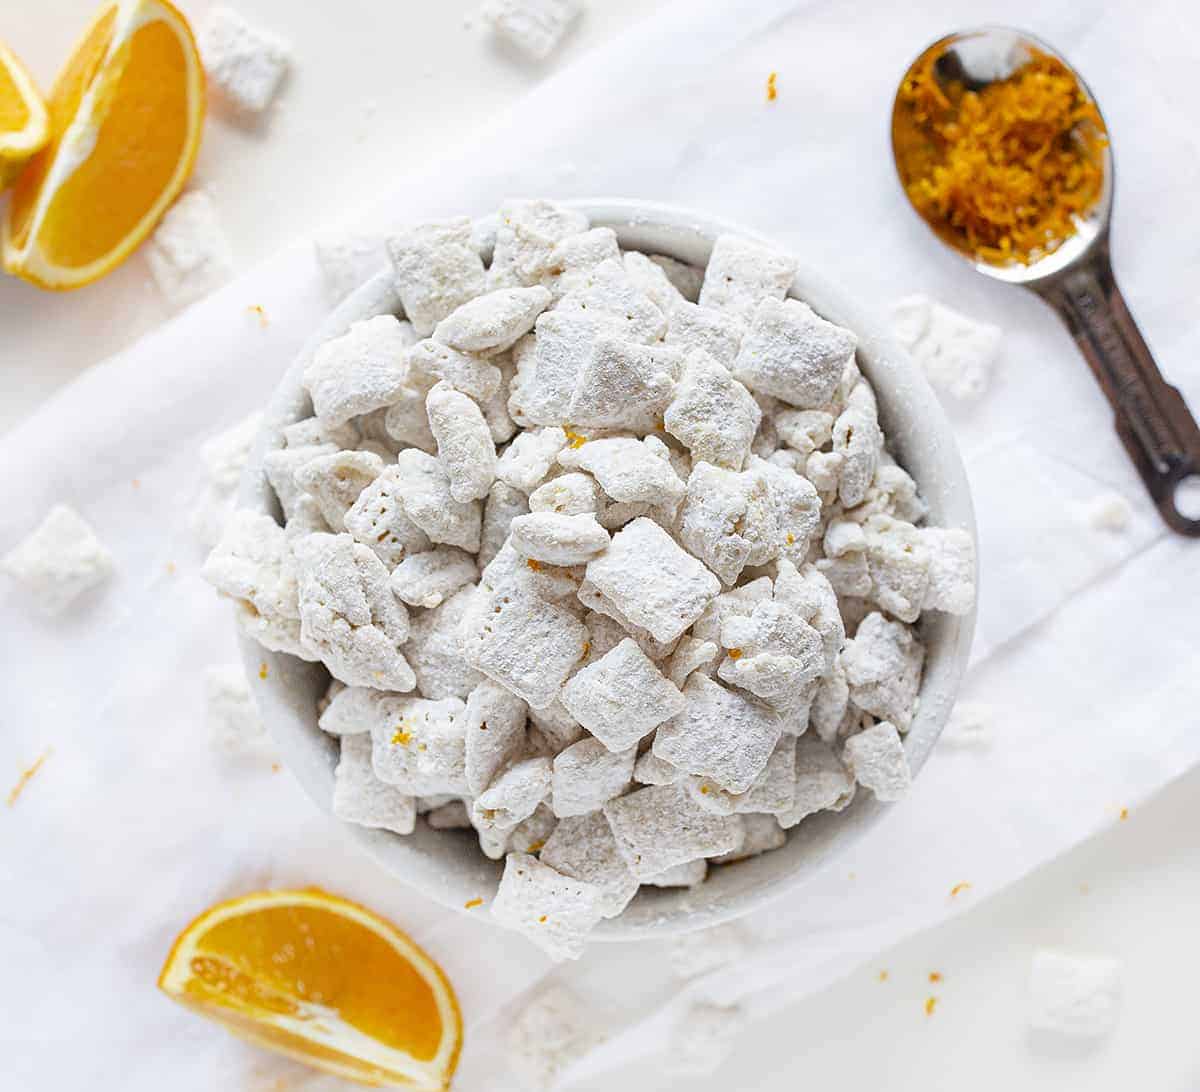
(260, 311)
(1124, 814)
(275, 767)
(263, 670)
(883, 976)
(542, 920)
(959, 888)
(935, 976)
(170, 568)
(472, 903)
(772, 91)
(930, 1005)
(27, 775)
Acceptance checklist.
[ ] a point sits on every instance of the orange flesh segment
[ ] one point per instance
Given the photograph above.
(137, 151)
(64, 100)
(283, 959)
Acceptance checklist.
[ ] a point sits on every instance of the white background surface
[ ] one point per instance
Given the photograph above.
(376, 89)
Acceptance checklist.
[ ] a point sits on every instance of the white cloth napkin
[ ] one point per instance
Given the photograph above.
(1086, 647)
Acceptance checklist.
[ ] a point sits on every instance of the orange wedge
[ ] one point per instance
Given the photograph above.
(24, 123)
(125, 120)
(324, 981)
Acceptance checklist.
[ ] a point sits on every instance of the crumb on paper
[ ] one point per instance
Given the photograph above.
(533, 27)
(1108, 512)
(245, 63)
(233, 721)
(555, 1028)
(189, 253)
(136, 483)
(1073, 995)
(1085, 889)
(956, 352)
(27, 775)
(58, 561)
(772, 90)
(171, 568)
(959, 888)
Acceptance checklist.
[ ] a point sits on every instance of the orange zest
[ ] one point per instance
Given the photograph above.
(24, 120)
(27, 775)
(1001, 173)
(125, 119)
(324, 981)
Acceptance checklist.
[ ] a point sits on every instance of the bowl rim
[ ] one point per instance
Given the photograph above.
(919, 434)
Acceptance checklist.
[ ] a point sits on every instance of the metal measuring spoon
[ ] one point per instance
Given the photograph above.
(1152, 418)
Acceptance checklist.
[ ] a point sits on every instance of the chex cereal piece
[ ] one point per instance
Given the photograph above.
(336, 480)
(189, 253)
(883, 667)
(688, 874)
(951, 584)
(553, 910)
(348, 261)
(1073, 995)
(275, 632)
(435, 649)
(715, 333)
(223, 456)
(510, 575)
(776, 652)
(763, 833)
(598, 604)
(721, 734)
(429, 362)
(621, 697)
(796, 510)
(624, 385)
(583, 847)
(892, 493)
(823, 783)
(502, 506)
(957, 353)
(557, 539)
(449, 816)
(348, 615)
(876, 758)
(492, 322)
(604, 634)
(495, 409)
(824, 470)
(712, 413)
(233, 720)
(736, 601)
(705, 1036)
(793, 354)
(378, 520)
(525, 239)
(859, 441)
(359, 371)
(652, 279)
(360, 797)
(659, 827)
(742, 273)
(627, 470)
(351, 710)
(426, 579)
(898, 560)
(577, 255)
(829, 703)
(705, 950)
(686, 279)
(247, 64)
(548, 376)
(62, 558)
(312, 431)
(528, 459)
(587, 775)
(513, 794)
(407, 421)
(436, 270)
(420, 746)
(971, 724)
(773, 791)
(552, 1030)
(804, 431)
(689, 655)
(423, 489)
(849, 574)
(571, 494)
(652, 770)
(535, 27)
(495, 732)
(523, 642)
(464, 442)
(651, 580)
(553, 729)
(607, 298)
(253, 561)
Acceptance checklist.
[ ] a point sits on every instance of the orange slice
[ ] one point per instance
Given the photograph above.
(322, 980)
(125, 120)
(24, 123)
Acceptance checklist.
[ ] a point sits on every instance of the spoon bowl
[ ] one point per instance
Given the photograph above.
(1075, 277)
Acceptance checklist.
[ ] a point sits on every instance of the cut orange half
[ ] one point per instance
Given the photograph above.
(324, 981)
(125, 120)
(24, 122)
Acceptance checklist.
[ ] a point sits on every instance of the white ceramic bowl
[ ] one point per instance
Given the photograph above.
(447, 865)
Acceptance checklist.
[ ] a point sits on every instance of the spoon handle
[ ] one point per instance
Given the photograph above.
(1152, 418)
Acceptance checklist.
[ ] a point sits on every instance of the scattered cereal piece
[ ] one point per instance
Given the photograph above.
(233, 720)
(189, 253)
(698, 953)
(705, 1036)
(348, 261)
(1074, 995)
(970, 725)
(956, 353)
(59, 560)
(535, 27)
(245, 63)
(554, 1028)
